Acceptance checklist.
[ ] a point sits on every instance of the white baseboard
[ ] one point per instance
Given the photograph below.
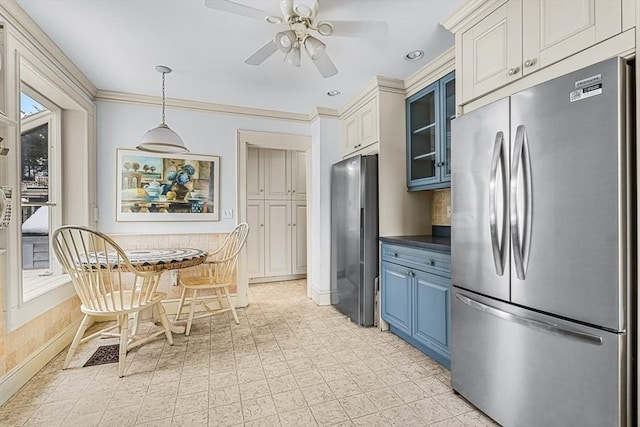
(17, 377)
(321, 297)
(276, 278)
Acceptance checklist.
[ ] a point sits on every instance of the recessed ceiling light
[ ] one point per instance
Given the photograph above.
(334, 92)
(414, 55)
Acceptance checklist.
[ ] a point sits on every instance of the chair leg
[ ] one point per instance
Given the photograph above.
(181, 304)
(76, 340)
(192, 311)
(162, 315)
(124, 330)
(231, 306)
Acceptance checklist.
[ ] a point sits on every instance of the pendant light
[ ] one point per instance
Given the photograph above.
(162, 139)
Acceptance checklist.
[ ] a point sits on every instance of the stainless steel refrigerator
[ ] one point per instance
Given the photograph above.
(543, 250)
(354, 237)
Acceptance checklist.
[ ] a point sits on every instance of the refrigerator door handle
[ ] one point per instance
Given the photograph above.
(521, 244)
(532, 323)
(498, 245)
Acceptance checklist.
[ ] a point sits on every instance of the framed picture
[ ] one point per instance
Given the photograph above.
(167, 187)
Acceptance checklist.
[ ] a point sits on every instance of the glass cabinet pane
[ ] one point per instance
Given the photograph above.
(423, 135)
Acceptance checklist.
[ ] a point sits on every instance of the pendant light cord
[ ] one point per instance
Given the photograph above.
(163, 74)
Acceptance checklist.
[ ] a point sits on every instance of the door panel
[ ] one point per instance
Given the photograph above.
(575, 254)
(277, 238)
(255, 173)
(255, 239)
(431, 318)
(507, 363)
(490, 49)
(472, 257)
(298, 175)
(549, 36)
(299, 237)
(396, 296)
(277, 174)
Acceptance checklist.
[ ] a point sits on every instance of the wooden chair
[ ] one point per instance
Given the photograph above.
(216, 273)
(101, 275)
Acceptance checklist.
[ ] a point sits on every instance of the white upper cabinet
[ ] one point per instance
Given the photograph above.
(492, 51)
(522, 36)
(360, 128)
(553, 30)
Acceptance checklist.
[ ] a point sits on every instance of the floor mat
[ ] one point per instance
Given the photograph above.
(103, 355)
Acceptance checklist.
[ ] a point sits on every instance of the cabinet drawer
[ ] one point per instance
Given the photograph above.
(422, 259)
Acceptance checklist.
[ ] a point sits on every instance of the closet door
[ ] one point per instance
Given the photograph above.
(255, 173)
(277, 237)
(255, 240)
(299, 237)
(298, 175)
(277, 174)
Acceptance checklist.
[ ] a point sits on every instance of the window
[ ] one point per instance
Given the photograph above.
(39, 185)
(56, 127)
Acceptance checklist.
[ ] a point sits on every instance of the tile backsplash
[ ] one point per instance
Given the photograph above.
(440, 206)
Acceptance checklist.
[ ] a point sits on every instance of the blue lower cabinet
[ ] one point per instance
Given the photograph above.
(416, 304)
(432, 316)
(396, 300)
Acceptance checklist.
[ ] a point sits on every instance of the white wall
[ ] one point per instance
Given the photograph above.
(121, 125)
(325, 151)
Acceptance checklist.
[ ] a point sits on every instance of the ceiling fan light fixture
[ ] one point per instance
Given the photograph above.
(293, 57)
(162, 139)
(285, 40)
(306, 8)
(314, 47)
(272, 19)
(414, 55)
(325, 28)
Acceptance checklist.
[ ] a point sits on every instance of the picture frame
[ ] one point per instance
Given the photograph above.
(167, 187)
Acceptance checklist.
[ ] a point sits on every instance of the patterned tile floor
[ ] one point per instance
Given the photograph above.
(288, 363)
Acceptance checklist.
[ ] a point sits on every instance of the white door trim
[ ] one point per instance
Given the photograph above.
(280, 141)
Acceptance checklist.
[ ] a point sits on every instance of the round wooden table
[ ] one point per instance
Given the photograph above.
(165, 259)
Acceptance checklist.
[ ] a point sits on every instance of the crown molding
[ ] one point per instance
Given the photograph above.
(323, 112)
(130, 98)
(469, 12)
(370, 90)
(434, 70)
(22, 23)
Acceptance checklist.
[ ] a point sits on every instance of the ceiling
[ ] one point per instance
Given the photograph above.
(117, 44)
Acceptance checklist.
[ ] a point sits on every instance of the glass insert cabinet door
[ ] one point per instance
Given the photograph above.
(429, 115)
(423, 135)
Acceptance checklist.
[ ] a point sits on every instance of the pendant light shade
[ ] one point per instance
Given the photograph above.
(162, 139)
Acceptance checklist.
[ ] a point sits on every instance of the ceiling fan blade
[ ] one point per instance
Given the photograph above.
(263, 53)
(325, 65)
(238, 9)
(359, 28)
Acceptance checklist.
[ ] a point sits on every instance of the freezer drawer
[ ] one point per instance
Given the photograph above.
(523, 368)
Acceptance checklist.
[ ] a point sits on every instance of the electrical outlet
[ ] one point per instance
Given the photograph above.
(227, 213)
(448, 211)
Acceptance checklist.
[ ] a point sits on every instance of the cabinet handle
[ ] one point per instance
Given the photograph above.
(293, 191)
(432, 262)
(261, 225)
(395, 254)
(530, 62)
(288, 191)
(513, 71)
(261, 190)
(294, 225)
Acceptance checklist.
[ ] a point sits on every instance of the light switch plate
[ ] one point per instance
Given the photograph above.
(227, 213)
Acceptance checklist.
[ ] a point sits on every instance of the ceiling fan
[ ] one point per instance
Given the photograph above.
(301, 18)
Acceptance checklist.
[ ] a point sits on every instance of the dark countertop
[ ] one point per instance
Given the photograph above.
(434, 243)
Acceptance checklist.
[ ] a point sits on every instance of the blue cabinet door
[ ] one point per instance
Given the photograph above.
(396, 296)
(431, 311)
